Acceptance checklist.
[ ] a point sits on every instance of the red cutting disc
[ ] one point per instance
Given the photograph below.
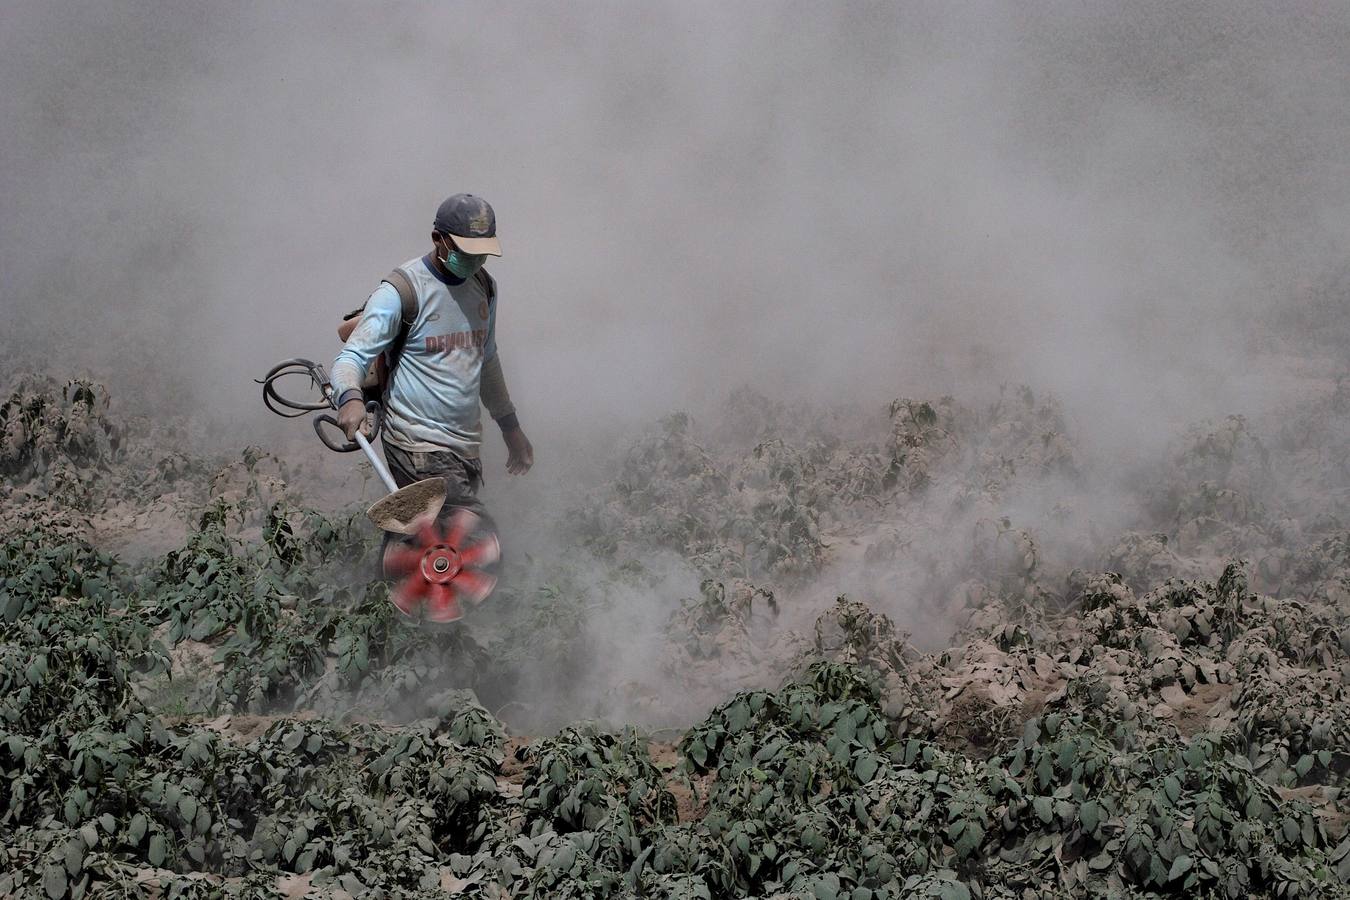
(442, 566)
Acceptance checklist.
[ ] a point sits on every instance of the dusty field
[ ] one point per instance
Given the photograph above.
(942, 649)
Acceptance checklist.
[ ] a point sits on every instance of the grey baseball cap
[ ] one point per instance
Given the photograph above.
(471, 222)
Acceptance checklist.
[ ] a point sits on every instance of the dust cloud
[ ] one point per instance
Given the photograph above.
(1137, 209)
(820, 200)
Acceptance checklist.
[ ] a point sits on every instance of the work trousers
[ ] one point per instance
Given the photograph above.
(462, 480)
(462, 476)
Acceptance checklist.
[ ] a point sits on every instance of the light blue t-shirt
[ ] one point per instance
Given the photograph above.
(432, 402)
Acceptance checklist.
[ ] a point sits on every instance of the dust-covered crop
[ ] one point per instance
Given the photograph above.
(1146, 706)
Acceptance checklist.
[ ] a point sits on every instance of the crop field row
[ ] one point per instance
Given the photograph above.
(718, 692)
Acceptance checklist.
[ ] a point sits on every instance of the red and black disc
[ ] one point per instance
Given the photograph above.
(442, 567)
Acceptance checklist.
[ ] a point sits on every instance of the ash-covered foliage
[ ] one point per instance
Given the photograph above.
(43, 425)
(822, 787)
(59, 434)
(1136, 714)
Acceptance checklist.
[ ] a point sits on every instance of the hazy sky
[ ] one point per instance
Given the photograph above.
(822, 200)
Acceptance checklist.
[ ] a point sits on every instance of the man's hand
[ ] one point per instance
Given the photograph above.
(520, 453)
(351, 417)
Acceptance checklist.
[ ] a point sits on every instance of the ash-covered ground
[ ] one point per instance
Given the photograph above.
(946, 646)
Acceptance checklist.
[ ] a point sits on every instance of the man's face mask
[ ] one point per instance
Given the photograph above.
(460, 264)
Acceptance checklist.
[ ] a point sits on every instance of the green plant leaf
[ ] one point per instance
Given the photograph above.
(54, 881)
(1090, 815)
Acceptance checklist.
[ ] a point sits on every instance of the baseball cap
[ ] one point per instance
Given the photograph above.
(471, 222)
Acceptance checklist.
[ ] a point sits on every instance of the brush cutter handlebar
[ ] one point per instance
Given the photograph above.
(291, 409)
(279, 404)
(373, 409)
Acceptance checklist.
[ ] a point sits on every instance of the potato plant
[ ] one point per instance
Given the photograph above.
(1158, 711)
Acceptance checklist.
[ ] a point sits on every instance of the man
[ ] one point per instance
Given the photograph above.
(448, 360)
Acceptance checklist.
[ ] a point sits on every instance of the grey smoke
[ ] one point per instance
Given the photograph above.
(832, 203)
(813, 199)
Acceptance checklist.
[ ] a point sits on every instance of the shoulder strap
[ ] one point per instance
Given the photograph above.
(407, 294)
(487, 283)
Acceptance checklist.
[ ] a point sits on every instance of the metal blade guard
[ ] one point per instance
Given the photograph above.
(406, 509)
(440, 568)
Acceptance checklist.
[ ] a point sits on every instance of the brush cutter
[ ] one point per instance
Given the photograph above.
(437, 564)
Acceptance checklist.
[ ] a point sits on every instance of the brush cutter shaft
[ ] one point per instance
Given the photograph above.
(380, 468)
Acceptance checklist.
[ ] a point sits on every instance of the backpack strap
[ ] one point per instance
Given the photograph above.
(487, 283)
(407, 294)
